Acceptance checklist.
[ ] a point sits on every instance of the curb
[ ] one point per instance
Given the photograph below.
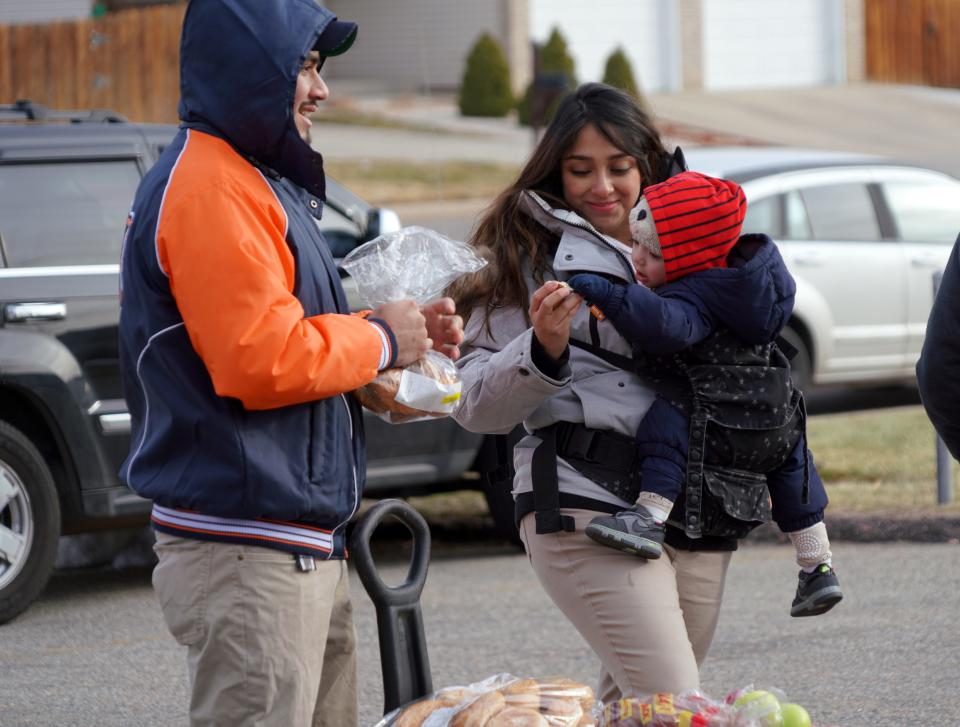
(867, 528)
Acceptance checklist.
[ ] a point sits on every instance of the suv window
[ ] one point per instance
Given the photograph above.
(65, 213)
(339, 230)
(797, 223)
(925, 211)
(841, 212)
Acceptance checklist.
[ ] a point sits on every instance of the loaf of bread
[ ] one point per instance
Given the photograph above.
(566, 687)
(510, 702)
(523, 693)
(561, 711)
(380, 395)
(414, 714)
(478, 712)
(517, 717)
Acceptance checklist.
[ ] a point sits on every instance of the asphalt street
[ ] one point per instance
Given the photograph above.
(94, 651)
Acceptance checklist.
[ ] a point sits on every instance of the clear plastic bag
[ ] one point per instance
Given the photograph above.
(414, 263)
(502, 700)
(745, 707)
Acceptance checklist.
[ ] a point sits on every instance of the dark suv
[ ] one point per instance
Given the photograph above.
(66, 183)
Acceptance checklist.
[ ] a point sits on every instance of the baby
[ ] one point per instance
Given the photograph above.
(727, 427)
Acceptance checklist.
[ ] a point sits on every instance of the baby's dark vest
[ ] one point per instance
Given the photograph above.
(746, 418)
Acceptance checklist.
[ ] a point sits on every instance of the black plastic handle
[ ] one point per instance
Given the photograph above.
(403, 647)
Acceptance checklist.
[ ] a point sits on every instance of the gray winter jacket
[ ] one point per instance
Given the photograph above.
(502, 387)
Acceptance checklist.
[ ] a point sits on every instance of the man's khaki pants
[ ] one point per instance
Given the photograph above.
(267, 644)
(649, 621)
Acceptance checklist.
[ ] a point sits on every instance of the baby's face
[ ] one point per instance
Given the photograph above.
(648, 267)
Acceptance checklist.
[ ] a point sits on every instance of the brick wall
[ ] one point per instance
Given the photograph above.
(691, 44)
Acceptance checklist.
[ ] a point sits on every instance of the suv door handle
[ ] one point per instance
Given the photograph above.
(810, 260)
(20, 312)
(925, 261)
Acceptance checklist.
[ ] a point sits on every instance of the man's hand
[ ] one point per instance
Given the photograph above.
(409, 326)
(595, 290)
(444, 327)
(552, 308)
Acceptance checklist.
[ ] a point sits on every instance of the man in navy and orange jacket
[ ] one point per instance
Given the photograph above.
(239, 353)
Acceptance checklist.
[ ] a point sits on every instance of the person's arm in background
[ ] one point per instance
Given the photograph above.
(938, 370)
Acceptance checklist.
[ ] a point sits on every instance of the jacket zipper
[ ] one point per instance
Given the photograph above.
(589, 229)
(353, 469)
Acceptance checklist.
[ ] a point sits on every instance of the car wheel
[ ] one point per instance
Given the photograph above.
(29, 522)
(801, 369)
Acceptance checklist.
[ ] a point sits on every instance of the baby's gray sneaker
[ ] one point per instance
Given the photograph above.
(634, 531)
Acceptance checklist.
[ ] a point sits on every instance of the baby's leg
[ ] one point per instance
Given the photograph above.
(662, 447)
(818, 589)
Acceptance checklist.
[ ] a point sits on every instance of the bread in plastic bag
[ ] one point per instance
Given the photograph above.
(428, 388)
(417, 264)
(502, 700)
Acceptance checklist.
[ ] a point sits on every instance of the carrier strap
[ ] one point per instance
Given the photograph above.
(546, 488)
(621, 362)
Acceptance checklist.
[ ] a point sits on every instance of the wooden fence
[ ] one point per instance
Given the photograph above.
(913, 41)
(126, 61)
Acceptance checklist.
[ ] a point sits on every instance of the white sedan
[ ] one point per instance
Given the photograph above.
(863, 236)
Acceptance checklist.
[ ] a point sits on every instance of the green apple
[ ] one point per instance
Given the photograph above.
(794, 715)
(760, 706)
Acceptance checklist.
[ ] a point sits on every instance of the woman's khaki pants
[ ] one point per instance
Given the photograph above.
(649, 621)
(267, 644)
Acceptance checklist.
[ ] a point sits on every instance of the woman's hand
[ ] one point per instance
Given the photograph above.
(552, 308)
(444, 327)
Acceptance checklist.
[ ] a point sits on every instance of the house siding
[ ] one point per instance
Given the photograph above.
(422, 44)
(855, 36)
(16, 12)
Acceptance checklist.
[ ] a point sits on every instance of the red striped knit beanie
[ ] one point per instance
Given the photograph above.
(697, 221)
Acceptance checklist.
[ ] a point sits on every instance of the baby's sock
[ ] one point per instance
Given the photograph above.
(657, 505)
(812, 546)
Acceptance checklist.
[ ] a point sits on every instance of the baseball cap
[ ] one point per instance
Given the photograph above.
(336, 38)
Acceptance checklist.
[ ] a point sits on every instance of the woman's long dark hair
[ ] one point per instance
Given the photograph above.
(505, 232)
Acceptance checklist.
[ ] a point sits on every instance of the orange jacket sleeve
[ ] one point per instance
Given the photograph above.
(232, 274)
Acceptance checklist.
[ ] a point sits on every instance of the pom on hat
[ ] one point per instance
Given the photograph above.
(642, 229)
(691, 220)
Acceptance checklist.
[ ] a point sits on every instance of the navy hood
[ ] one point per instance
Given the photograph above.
(753, 296)
(239, 61)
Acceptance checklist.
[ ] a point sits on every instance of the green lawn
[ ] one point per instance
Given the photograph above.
(879, 460)
(390, 182)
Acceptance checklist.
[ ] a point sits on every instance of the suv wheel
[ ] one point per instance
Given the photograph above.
(29, 522)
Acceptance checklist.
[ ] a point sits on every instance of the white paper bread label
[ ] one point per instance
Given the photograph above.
(427, 394)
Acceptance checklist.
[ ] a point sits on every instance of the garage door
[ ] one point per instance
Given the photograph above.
(758, 43)
(593, 30)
